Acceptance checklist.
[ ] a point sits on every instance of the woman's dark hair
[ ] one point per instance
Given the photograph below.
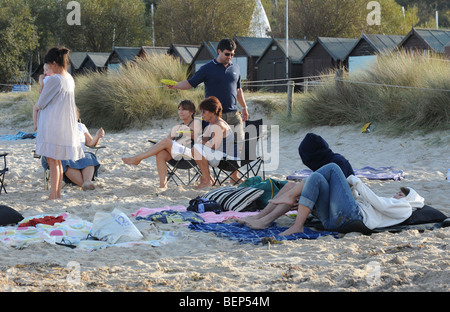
(226, 44)
(405, 190)
(58, 55)
(188, 105)
(212, 104)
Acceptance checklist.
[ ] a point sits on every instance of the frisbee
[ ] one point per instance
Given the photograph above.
(185, 131)
(169, 82)
(366, 128)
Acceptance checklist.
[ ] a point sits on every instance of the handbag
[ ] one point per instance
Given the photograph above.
(200, 205)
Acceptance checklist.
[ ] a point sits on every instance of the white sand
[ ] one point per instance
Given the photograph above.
(407, 261)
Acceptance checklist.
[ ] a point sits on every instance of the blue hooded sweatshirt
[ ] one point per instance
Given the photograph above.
(315, 153)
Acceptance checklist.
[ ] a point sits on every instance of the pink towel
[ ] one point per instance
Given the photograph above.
(209, 217)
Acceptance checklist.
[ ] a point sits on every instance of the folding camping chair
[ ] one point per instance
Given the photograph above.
(250, 161)
(47, 171)
(2, 173)
(193, 172)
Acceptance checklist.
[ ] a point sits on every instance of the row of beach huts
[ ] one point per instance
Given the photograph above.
(264, 59)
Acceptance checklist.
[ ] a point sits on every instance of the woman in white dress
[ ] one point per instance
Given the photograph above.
(57, 127)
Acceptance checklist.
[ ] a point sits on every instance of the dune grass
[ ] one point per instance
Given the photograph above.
(134, 95)
(425, 106)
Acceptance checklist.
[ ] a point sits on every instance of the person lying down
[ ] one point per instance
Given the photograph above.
(336, 201)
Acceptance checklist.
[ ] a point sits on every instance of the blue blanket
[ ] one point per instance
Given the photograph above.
(243, 234)
(18, 136)
(380, 173)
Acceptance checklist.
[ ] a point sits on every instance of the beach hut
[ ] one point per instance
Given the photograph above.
(75, 61)
(272, 63)
(367, 49)
(150, 50)
(426, 40)
(250, 49)
(94, 61)
(327, 54)
(184, 52)
(206, 52)
(121, 56)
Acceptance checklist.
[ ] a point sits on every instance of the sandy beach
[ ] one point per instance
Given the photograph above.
(194, 261)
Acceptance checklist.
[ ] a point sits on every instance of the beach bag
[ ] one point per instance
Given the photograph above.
(200, 205)
(271, 187)
(9, 216)
(114, 227)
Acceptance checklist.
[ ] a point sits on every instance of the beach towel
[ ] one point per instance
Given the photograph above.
(73, 232)
(18, 136)
(245, 235)
(208, 217)
(380, 173)
(173, 216)
(50, 220)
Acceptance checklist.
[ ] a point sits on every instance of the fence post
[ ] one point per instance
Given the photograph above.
(290, 93)
(338, 79)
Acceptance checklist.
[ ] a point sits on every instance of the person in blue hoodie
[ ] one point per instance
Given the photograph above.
(316, 153)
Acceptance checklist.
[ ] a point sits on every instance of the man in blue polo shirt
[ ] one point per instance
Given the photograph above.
(222, 79)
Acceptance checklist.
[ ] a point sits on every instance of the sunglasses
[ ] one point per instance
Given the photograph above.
(229, 54)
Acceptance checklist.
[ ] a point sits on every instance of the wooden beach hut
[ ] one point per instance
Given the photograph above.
(327, 54)
(206, 52)
(272, 63)
(426, 40)
(94, 61)
(121, 56)
(184, 52)
(250, 49)
(75, 61)
(368, 47)
(150, 50)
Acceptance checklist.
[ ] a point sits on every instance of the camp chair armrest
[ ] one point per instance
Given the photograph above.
(4, 158)
(96, 148)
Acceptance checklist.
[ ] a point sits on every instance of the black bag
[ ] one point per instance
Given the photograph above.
(201, 205)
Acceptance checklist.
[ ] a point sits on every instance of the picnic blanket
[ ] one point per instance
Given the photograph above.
(18, 136)
(245, 235)
(72, 232)
(380, 173)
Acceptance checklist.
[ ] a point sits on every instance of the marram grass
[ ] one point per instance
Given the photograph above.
(424, 106)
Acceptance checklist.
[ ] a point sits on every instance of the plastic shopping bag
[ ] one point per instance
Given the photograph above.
(114, 227)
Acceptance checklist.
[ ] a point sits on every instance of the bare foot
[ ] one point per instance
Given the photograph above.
(246, 219)
(50, 198)
(204, 184)
(292, 230)
(257, 224)
(131, 161)
(88, 186)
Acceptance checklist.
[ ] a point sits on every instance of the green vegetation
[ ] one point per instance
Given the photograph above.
(133, 96)
(396, 110)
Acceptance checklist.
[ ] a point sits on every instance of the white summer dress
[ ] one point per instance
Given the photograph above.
(57, 126)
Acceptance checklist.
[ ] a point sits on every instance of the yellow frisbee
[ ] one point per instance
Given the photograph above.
(169, 82)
